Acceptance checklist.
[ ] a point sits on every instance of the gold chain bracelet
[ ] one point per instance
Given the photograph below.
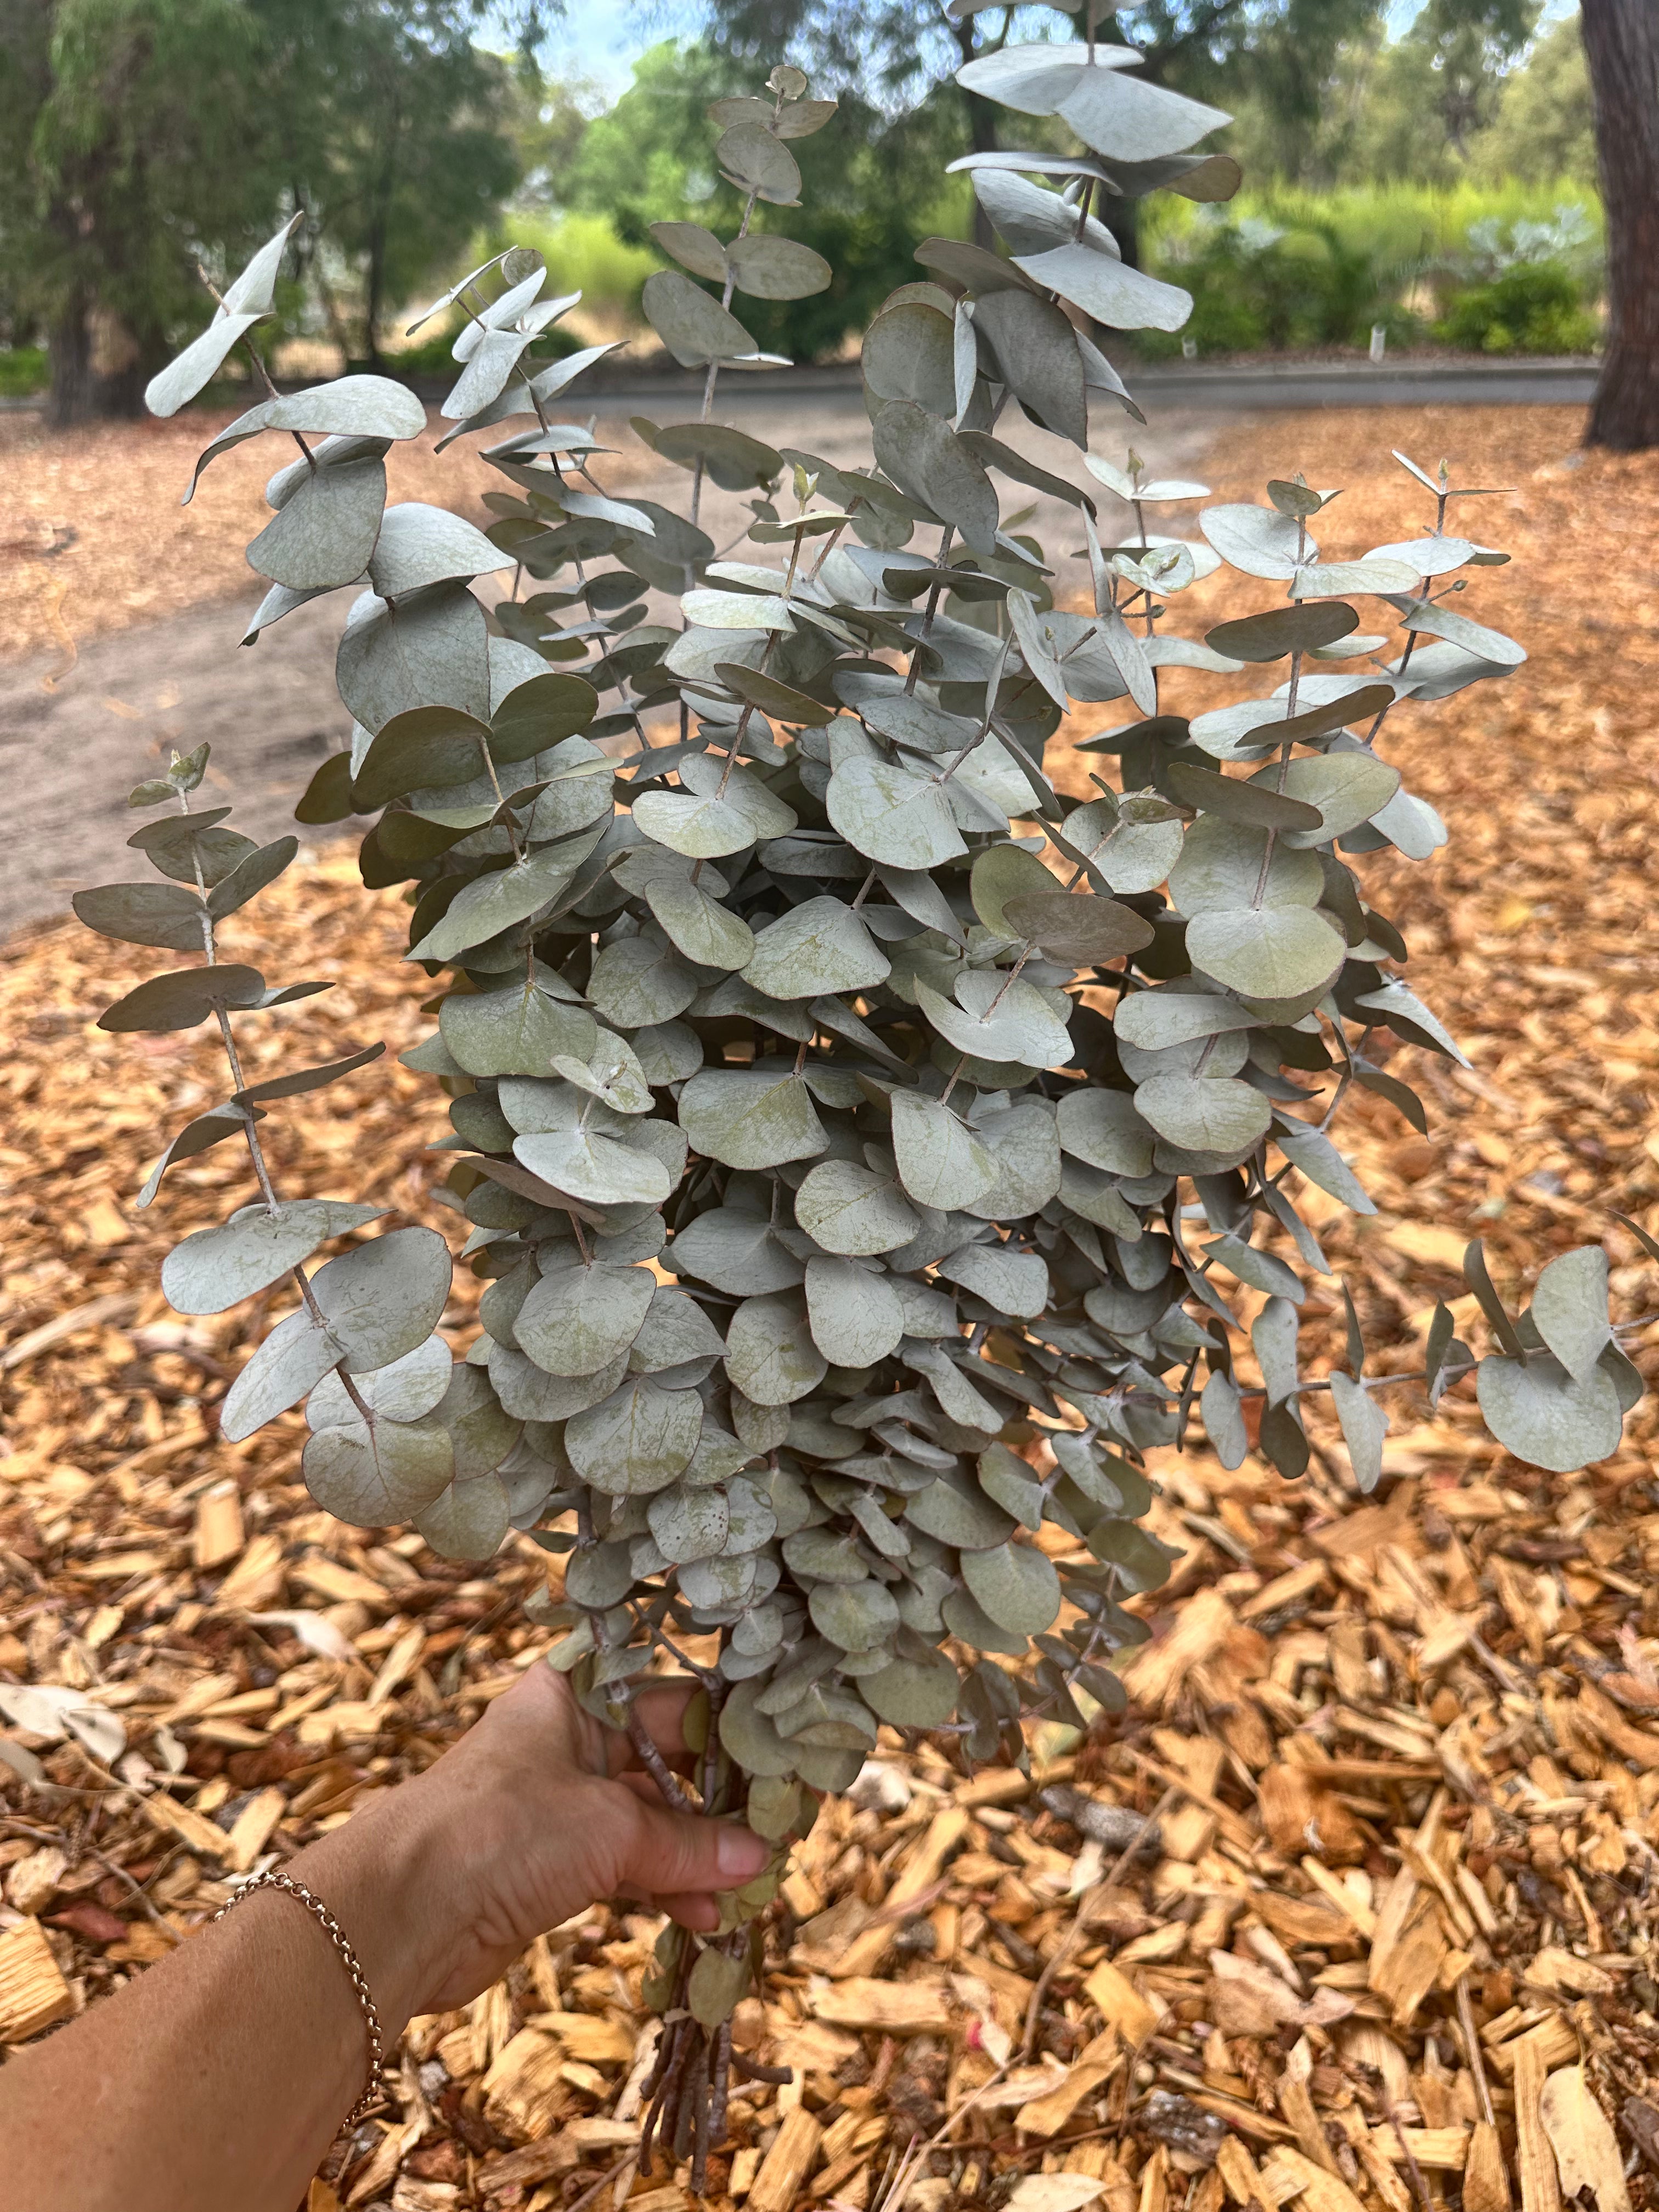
(336, 1937)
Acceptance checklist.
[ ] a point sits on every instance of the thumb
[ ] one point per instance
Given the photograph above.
(667, 1854)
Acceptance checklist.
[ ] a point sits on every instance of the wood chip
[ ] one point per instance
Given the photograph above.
(32, 1991)
(1540, 2189)
(895, 2008)
(1241, 2177)
(1308, 2183)
(789, 2165)
(1046, 2115)
(921, 1870)
(583, 2036)
(1587, 2155)
(219, 1532)
(189, 1826)
(253, 1828)
(1296, 2103)
(1121, 2005)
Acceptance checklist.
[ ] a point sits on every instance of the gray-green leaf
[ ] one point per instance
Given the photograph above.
(216, 1267)
(637, 1440)
(855, 1314)
(1015, 1584)
(759, 1117)
(770, 1352)
(1547, 1417)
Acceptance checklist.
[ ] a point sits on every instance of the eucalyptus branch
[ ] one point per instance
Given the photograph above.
(258, 367)
(726, 290)
(945, 536)
(752, 1261)
(656, 1766)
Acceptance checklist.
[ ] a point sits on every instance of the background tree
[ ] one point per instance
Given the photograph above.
(124, 132)
(1544, 126)
(1282, 64)
(1621, 44)
(872, 188)
(397, 139)
(1421, 108)
(140, 138)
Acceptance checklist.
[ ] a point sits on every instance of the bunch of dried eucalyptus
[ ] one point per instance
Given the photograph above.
(863, 1145)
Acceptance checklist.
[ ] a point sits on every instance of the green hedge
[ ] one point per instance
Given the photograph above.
(24, 370)
(1508, 269)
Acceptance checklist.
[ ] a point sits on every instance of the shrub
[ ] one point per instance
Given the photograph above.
(1284, 267)
(1535, 307)
(24, 370)
(838, 1247)
(1531, 279)
(1257, 287)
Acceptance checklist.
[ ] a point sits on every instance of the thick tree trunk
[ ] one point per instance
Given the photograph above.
(73, 397)
(121, 392)
(1621, 44)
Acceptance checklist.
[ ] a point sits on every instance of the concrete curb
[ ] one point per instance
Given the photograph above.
(1563, 382)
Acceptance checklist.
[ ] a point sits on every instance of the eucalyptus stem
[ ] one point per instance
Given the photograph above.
(726, 291)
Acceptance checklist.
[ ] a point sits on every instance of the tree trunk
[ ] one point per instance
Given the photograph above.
(121, 392)
(1122, 218)
(981, 131)
(1621, 45)
(72, 399)
(373, 300)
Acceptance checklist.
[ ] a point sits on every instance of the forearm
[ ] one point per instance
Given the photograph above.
(221, 2076)
(239, 2054)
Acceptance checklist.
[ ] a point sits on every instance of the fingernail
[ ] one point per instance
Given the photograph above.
(739, 1853)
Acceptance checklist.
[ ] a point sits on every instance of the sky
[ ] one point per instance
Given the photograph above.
(601, 40)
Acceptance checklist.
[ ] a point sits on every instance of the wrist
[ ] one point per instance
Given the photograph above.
(387, 1876)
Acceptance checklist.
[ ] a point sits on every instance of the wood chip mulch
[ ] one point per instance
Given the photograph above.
(93, 537)
(1354, 1909)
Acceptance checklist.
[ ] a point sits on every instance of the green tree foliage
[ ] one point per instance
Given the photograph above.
(1544, 127)
(1277, 60)
(872, 188)
(394, 135)
(138, 138)
(124, 143)
(1320, 92)
(1415, 107)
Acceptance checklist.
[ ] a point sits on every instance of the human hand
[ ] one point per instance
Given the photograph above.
(539, 1810)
